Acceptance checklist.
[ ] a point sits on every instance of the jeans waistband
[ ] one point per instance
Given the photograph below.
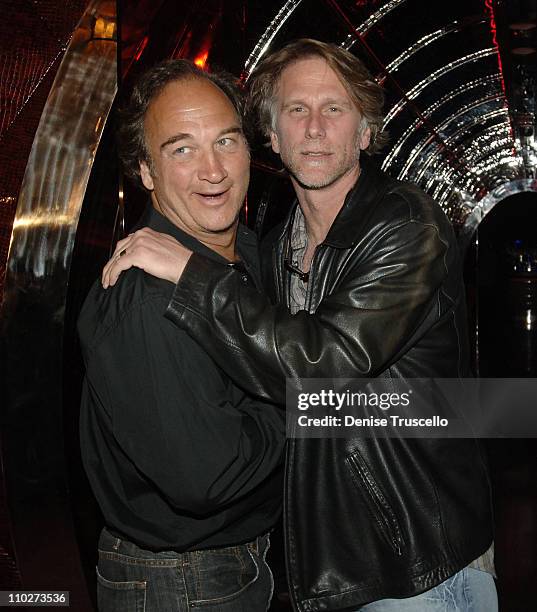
(110, 542)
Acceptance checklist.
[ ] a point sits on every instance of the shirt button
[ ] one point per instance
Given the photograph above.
(244, 279)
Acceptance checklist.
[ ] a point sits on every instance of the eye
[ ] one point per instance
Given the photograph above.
(181, 150)
(296, 109)
(226, 141)
(228, 144)
(334, 109)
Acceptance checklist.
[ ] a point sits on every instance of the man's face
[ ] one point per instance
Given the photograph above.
(318, 127)
(200, 162)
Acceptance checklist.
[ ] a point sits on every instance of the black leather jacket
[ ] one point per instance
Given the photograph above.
(365, 519)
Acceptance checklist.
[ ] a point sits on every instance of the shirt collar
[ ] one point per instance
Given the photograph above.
(155, 220)
(299, 234)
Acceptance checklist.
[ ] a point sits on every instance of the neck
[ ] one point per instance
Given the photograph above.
(222, 242)
(321, 206)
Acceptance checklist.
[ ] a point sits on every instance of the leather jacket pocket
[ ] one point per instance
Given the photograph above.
(381, 510)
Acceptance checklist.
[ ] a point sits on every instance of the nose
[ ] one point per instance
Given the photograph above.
(315, 127)
(211, 168)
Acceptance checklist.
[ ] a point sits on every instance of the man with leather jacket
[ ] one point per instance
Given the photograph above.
(363, 280)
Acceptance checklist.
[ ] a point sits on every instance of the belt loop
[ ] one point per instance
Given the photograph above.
(252, 546)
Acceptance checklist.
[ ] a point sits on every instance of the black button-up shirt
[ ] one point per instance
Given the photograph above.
(179, 458)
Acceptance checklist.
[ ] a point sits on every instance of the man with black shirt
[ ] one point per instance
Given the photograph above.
(184, 465)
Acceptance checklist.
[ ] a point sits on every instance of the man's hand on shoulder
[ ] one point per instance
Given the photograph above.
(155, 253)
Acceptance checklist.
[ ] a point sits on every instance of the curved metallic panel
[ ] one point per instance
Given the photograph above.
(448, 98)
(39, 261)
(286, 11)
(461, 114)
(63, 151)
(264, 42)
(441, 178)
(484, 206)
(490, 163)
(428, 39)
(431, 78)
(465, 118)
(462, 130)
(372, 20)
(434, 171)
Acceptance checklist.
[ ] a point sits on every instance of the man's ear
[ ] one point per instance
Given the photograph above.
(274, 142)
(146, 177)
(365, 138)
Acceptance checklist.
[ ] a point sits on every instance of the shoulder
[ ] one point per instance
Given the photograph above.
(104, 310)
(398, 200)
(417, 203)
(404, 203)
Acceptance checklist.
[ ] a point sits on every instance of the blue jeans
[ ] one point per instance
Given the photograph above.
(234, 579)
(470, 590)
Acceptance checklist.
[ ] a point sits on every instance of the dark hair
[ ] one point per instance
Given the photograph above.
(365, 92)
(131, 136)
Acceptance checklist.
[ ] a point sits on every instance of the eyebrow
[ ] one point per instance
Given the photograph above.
(339, 101)
(236, 129)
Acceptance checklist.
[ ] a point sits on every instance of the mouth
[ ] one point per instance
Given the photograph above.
(218, 197)
(316, 154)
(316, 158)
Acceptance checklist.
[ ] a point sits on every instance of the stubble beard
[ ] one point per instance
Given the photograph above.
(321, 182)
(343, 167)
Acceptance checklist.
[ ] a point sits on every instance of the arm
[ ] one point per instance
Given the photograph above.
(357, 331)
(201, 453)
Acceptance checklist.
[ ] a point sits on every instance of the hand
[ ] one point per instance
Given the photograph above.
(155, 253)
